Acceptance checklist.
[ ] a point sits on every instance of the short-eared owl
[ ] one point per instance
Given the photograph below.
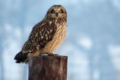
(45, 36)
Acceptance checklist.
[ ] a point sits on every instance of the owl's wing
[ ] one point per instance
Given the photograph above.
(41, 34)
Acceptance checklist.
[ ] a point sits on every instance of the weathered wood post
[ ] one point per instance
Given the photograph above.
(48, 68)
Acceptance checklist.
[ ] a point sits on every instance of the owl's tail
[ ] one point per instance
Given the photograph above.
(21, 58)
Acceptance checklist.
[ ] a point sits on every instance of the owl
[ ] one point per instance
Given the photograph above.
(45, 36)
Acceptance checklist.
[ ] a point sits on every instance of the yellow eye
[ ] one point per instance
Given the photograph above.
(52, 11)
(60, 11)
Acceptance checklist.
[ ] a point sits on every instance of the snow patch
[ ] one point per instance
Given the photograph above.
(114, 51)
(85, 42)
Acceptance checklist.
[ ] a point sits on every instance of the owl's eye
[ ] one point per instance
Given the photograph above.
(52, 11)
(61, 11)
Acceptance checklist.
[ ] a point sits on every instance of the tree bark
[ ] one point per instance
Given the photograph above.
(48, 68)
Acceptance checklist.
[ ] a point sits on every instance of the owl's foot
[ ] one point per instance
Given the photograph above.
(51, 54)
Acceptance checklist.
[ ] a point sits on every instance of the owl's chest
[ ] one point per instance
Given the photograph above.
(58, 38)
(60, 34)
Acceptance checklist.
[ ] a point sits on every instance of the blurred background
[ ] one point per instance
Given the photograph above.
(92, 43)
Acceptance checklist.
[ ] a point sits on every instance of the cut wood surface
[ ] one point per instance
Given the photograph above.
(48, 68)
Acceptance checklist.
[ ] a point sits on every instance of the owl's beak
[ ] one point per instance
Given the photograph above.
(56, 14)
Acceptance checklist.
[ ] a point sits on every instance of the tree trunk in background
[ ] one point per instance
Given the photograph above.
(1, 38)
(118, 75)
(1, 66)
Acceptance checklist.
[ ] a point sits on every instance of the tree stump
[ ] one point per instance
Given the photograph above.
(48, 68)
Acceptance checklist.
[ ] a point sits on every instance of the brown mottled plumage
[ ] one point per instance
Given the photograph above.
(46, 36)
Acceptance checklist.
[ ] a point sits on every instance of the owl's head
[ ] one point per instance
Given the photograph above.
(57, 11)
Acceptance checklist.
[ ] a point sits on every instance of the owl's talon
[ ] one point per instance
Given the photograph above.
(51, 54)
(55, 54)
